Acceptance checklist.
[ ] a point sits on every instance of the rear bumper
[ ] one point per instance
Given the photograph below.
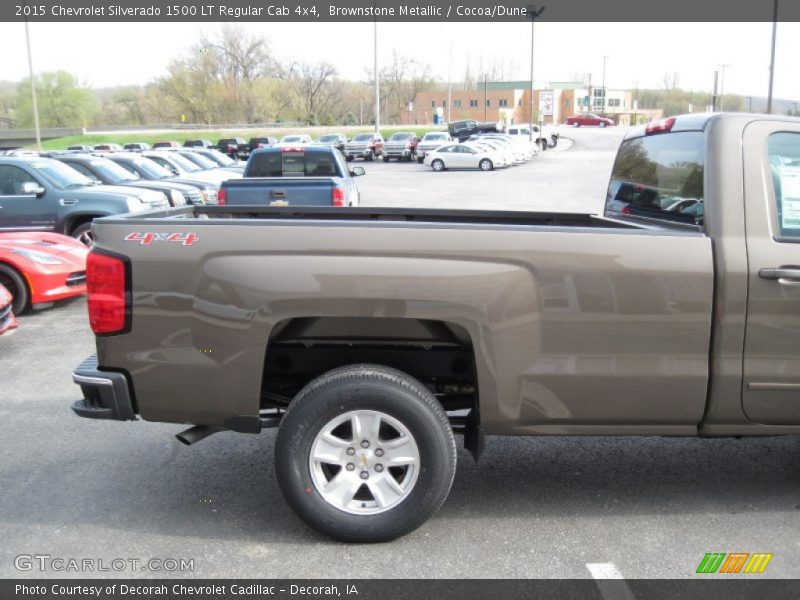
(106, 394)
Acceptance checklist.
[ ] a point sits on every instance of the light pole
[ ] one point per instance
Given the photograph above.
(603, 100)
(450, 85)
(635, 102)
(484, 97)
(772, 56)
(375, 73)
(33, 88)
(532, 15)
(722, 85)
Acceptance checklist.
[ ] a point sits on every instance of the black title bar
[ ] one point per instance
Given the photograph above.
(458, 11)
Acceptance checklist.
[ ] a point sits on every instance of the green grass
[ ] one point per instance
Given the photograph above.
(122, 137)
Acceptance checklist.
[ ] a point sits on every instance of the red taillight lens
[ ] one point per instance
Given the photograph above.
(337, 197)
(106, 280)
(660, 126)
(222, 196)
(230, 148)
(626, 210)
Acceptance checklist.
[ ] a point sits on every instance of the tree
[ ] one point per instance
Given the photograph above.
(61, 99)
(313, 83)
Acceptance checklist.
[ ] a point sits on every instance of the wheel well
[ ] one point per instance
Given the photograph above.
(76, 222)
(437, 353)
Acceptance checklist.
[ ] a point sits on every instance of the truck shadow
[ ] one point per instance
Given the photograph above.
(225, 489)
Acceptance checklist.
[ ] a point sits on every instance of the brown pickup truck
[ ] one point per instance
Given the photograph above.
(371, 336)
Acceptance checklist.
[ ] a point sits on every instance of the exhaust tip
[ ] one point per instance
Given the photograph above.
(196, 433)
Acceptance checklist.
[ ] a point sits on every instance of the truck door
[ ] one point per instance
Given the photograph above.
(771, 385)
(20, 211)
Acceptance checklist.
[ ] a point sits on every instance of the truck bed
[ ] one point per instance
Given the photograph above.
(396, 215)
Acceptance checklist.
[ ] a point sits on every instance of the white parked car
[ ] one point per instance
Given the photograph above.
(431, 141)
(294, 140)
(463, 156)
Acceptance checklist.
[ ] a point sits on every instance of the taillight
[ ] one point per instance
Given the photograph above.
(337, 197)
(107, 293)
(626, 210)
(222, 196)
(660, 126)
(230, 148)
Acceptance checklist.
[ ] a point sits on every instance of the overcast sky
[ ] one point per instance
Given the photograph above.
(109, 54)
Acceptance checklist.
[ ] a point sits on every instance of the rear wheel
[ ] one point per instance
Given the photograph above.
(485, 165)
(365, 453)
(83, 233)
(437, 165)
(14, 282)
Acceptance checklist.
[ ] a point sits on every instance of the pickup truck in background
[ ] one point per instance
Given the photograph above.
(43, 194)
(462, 130)
(402, 146)
(368, 146)
(236, 148)
(285, 176)
(371, 336)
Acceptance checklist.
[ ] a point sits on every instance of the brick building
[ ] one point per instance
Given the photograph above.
(510, 102)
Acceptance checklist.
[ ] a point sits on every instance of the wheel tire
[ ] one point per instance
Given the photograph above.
(83, 233)
(486, 165)
(14, 282)
(384, 392)
(437, 165)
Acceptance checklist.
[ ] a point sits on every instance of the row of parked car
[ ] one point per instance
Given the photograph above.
(50, 199)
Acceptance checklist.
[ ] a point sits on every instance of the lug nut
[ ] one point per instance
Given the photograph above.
(364, 475)
(379, 467)
(350, 467)
(364, 444)
(351, 451)
(379, 452)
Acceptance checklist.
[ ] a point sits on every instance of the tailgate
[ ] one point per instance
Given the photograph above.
(280, 191)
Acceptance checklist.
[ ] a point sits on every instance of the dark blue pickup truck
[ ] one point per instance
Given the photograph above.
(294, 176)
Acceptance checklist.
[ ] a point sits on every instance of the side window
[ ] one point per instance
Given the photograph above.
(82, 170)
(128, 167)
(11, 180)
(166, 164)
(784, 161)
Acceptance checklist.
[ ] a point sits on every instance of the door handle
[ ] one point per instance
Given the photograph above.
(63, 202)
(780, 273)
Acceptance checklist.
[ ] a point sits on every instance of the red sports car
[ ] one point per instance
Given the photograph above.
(7, 320)
(40, 268)
(590, 119)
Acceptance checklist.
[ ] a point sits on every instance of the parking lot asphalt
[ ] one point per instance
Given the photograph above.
(532, 508)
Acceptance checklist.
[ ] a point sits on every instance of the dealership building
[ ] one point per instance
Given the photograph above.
(509, 102)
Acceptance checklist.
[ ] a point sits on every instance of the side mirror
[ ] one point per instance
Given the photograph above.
(31, 188)
(357, 171)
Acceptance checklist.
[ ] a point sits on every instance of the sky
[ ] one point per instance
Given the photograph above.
(111, 54)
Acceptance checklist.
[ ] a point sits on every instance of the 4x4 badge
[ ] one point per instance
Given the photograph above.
(147, 238)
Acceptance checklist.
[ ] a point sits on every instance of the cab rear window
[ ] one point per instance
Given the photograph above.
(659, 177)
(294, 164)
